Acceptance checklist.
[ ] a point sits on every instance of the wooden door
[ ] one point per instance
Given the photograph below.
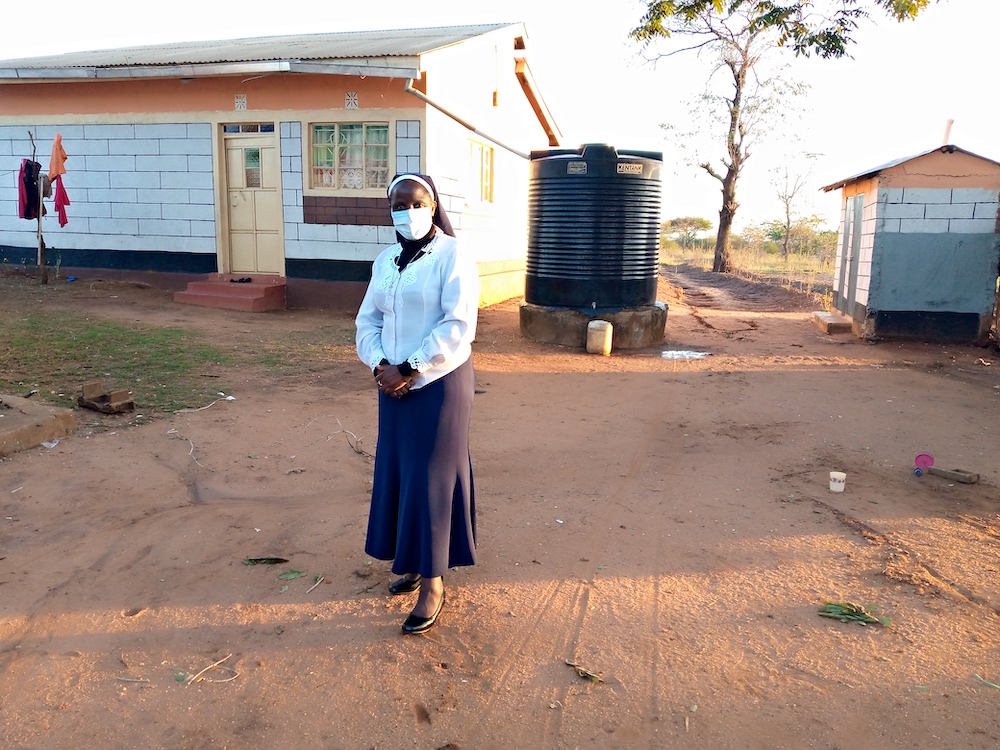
(253, 184)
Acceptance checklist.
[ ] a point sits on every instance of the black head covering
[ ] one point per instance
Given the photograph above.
(440, 218)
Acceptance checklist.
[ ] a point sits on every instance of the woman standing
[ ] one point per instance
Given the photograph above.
(415, 330)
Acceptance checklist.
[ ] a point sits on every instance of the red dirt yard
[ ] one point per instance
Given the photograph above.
(664, 524)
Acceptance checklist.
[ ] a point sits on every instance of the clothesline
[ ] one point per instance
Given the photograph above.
(34, 185)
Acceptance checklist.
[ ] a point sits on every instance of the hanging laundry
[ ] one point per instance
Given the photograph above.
(27, 190)
(57, 168)
(57, 163)
(62, 200)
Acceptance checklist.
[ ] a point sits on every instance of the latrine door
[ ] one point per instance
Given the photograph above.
(855, 256)
(253, 185)
(850, 250)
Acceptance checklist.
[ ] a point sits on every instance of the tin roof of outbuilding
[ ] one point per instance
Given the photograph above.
(311, 47)
(947, 149)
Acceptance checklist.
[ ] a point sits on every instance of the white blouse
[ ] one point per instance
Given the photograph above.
(425, 315)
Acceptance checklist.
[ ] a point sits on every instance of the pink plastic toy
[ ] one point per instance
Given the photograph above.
(923, 462)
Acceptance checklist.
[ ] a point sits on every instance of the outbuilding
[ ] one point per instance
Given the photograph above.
(918, 249)
(268, 158)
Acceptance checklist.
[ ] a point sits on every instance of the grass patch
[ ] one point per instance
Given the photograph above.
(56, 353)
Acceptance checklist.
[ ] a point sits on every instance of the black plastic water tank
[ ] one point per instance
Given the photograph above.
(593, 227)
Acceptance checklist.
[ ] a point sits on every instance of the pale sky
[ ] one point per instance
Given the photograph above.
(892, 100)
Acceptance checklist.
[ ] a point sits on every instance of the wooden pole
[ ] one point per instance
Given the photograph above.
(43, 268)
(41, 240)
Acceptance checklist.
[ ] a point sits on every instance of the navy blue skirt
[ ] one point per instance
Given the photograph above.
(423, 512)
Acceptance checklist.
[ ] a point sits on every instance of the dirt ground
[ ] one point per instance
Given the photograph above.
(663, 523)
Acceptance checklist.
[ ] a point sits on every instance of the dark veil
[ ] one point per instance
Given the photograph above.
(440, 218)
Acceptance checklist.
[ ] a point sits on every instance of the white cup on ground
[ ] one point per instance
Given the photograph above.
(837, 481)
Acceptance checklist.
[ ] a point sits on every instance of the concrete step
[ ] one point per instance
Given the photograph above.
(27, 423)
(830, 322)
(263, 294)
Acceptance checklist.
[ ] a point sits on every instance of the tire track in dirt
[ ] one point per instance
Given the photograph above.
(506, 674)
(641, 614)
(514, 675)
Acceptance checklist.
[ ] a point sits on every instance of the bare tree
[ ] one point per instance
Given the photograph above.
(789, 191)
(748, 105)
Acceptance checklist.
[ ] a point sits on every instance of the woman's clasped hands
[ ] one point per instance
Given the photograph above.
(391, 381)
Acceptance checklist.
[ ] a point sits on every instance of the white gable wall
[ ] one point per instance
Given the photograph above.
(467, 82)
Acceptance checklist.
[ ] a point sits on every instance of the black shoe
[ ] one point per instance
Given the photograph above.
(404, 586)
(414, 624)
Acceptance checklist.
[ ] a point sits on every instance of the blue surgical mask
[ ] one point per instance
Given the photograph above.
(413, 223)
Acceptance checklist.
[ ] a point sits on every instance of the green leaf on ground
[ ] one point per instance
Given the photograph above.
(987, 683)
(290, 574)
(585, 673)
(264, 561)
(848, 612)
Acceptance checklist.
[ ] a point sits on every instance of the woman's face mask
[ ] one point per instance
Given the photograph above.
(413, 223)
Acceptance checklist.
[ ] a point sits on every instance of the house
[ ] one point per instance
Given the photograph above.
(268, 158)
(918, 249)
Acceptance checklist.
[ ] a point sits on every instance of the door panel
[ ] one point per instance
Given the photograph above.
(267, 211)
(845, 255)
(269, 255)
(855, 258)
(243, 250)
(241, 211)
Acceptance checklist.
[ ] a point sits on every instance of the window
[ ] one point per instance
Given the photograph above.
(249, 127)
(481, 162)
(251, 167)
(350, 156)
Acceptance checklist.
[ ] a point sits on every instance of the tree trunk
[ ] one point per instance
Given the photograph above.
(726, 215)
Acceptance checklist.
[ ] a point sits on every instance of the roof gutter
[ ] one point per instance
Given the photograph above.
(465, 124)
(204, 69)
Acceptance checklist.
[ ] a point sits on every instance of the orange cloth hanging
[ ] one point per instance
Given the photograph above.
(57, 164)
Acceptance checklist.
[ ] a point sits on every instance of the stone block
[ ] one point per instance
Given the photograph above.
(890, 195)
(923, 226)
(407, 147)
(974, 195)
(972, 226)
(172, 163)
(926, 195)
(949, 211)
(161, 130)
(986, 211)
(98, 131)
(904, 211)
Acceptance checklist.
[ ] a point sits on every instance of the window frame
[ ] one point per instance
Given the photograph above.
(482, 191)
(309, 161)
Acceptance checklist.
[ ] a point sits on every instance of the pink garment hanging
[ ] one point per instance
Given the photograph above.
(62, 200)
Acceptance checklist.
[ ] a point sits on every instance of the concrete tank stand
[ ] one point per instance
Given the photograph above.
(634, 327)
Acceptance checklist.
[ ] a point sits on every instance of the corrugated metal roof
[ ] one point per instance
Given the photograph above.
(949, 149)
(334, 46)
